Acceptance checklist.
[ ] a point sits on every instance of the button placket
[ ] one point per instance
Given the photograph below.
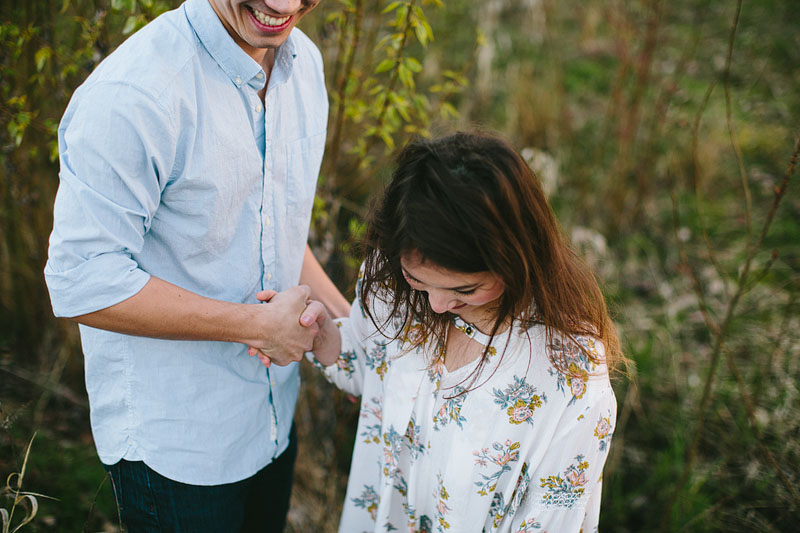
(267, 252)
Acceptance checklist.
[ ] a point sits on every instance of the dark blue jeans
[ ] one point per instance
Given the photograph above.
(151, 503)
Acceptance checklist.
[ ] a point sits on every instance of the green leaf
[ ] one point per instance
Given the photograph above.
(401, 16)
(403, 111)
(18, 100)
(428, 30)
(336, 16)
(448, 111)
(53, 150)
(397, 99)
(387, 139)
(41, 57)
(406, 77)
(391, 7)
(130, 25)
(384, 65)
(413, 64)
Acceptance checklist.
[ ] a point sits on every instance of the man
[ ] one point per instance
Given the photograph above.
(189, 160)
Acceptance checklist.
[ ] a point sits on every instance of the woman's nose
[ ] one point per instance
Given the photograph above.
(440, 302)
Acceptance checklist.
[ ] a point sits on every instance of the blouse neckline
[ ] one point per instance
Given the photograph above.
(470, 330)
(475, 334)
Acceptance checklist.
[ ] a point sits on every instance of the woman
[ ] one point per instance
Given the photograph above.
(480, 346)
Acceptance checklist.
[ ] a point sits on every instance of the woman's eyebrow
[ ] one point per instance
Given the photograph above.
(459, 288)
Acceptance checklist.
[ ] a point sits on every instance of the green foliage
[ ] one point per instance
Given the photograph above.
(379, 100)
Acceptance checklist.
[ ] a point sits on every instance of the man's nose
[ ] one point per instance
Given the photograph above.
(284, 7)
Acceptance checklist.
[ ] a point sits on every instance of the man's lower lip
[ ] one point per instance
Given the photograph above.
(269, 29)
(460, 306)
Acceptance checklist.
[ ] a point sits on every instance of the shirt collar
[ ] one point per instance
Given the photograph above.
(237, 65)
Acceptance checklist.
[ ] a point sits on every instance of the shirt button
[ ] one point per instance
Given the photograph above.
(260, 75)
(269, 276)
(258, 108)
(238, 81)
(266, 221)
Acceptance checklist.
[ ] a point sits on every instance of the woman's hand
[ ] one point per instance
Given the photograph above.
(327, 342)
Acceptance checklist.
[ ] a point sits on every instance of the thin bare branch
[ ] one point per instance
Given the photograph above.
(698, 187)
(705, 309)
(55, 388)
(726, 74)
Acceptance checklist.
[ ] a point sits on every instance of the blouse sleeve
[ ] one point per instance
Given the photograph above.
(564, 488)
(357, 332)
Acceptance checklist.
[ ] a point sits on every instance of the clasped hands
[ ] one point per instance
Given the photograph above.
(291, 323)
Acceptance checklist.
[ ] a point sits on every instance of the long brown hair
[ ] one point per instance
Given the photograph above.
(468, 202)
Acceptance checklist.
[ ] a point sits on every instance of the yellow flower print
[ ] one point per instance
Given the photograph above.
(576, 380)
(506, 453)
(368, 500)
(519, 400)
(522, 410)
(442, 509)
(576, 479)
(414, 334)
(603, 428)
(566, 491)
(603, 431)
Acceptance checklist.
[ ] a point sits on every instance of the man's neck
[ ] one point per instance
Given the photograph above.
(267, 62)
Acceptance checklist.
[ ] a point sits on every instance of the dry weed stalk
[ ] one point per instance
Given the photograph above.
(13, 490)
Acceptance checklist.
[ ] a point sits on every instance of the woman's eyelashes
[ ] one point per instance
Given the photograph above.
(419, 286)
(461, 292)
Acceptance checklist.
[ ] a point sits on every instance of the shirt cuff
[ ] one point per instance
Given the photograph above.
(98, 283)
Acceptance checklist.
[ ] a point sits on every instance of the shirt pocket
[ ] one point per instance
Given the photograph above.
(303, 159)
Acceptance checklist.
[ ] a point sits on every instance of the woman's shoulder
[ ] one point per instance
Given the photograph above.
(567, 367)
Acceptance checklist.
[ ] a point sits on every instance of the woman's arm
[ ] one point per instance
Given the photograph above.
(563, 491)
(322, 288)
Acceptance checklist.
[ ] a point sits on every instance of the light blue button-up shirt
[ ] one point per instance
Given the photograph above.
(172, 167)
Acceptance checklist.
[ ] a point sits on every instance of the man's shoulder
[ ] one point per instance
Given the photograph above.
(303, 42)
(305, 48)
(152, 61)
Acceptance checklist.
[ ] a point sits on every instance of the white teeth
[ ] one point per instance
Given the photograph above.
(266, 20)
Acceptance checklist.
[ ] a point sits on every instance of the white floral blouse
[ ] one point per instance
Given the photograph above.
(522, 450)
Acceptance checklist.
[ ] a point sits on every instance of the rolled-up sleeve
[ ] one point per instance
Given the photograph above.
(117, 152)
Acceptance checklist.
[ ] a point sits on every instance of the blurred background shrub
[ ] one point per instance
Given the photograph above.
(665, 134)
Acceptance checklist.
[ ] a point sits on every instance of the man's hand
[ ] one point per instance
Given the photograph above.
(327, 343)
(288, 322)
